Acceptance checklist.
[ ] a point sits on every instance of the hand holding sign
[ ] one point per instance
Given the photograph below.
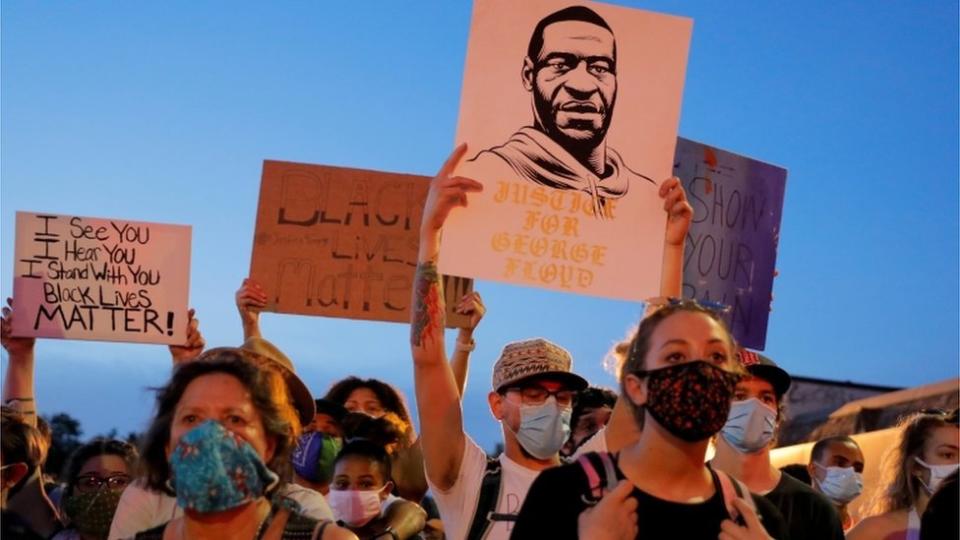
(250, 300)
(194, 345)
(16, 347)
(679, 211)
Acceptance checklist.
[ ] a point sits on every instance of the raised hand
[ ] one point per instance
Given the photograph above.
(17, 347)
(471, 304)
(194, 344)
(679, 211)
(446, 193)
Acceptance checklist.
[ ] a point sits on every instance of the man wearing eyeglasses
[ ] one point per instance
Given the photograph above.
(570, 71)
(532, 397)
(532, 393)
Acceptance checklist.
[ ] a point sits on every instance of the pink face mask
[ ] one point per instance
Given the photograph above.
(354, 507)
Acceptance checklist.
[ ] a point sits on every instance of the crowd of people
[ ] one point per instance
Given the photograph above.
(239, 447)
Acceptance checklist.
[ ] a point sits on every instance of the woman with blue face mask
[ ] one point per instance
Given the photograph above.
(221, 443)
(928, 452)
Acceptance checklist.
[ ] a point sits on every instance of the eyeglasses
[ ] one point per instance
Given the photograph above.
(537, 395)
(89, 483)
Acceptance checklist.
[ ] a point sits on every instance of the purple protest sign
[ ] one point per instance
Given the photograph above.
(731, 248)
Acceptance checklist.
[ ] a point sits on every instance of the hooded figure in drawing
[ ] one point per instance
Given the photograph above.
(571, 73)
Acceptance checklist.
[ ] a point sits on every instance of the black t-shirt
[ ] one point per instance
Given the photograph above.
(808, 514)
(555, 501)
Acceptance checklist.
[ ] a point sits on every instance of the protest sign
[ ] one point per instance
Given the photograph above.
(731, 249)
(341, 242)
(100, 279)
(570, 199)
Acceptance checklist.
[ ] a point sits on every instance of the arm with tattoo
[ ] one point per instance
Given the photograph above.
(438, 398)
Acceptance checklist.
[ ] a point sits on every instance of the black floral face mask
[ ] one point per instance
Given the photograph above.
(690, 400)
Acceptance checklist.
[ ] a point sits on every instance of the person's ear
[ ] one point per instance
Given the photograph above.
(496, 404)
(386, 490)
(13, 474)
(812, 471)
(526, 74)
(270, 450)
(635, 389)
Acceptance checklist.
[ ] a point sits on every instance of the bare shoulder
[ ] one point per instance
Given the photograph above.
(333, 532)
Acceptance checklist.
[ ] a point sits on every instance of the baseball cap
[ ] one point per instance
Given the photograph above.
(536, 357)
(763, 367)
(302, 400)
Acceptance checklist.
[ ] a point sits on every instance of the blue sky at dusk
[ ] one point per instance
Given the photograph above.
(165, 111)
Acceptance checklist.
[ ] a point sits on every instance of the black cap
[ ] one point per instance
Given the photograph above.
(331, 408)
(764, 368)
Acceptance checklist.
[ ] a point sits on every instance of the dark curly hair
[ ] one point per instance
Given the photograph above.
(391, 398)
(98, 447)
(268, 392)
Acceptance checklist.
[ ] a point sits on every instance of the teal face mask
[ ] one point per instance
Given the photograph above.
(213, 470)
(543, 428)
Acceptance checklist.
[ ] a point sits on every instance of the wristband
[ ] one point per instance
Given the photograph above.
(465, 347)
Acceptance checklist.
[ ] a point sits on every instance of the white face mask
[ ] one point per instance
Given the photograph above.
(354, 507)
(841, 484)
(750, 425)
(937, 474)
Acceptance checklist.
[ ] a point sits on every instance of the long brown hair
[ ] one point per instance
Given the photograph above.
(636, 355)
(902, 487)
(268, 392)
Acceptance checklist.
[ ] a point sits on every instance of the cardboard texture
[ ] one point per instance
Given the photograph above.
(339, 242)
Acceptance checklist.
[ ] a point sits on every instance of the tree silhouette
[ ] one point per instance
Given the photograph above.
(65, 433)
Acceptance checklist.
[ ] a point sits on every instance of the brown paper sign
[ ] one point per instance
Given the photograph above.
(340, 242)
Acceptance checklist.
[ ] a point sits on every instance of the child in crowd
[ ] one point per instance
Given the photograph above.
(361, 499)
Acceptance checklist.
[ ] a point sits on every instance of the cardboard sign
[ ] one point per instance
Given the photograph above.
(340, 242)
(731, 250)
(101, 279)
(570, 116)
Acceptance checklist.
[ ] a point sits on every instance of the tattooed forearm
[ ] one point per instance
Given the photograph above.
(427, 320)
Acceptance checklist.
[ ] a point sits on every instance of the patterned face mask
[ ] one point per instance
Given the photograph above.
(91, 513)
(313, 457)
(690, 400)
(212, 470)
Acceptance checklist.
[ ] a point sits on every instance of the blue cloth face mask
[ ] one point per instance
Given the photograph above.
(543, 428)
(750, 425)
(212, 470)
(841, 484)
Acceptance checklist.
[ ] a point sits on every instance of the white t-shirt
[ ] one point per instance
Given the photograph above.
(596, 443)
(141, 509)
(458, 504)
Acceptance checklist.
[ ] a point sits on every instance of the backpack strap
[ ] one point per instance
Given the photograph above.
(487, 501)
(732, 489)
(601, 475)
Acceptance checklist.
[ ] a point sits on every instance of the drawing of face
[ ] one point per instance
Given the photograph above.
(574, 84)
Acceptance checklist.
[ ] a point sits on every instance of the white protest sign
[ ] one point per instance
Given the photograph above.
(570, 115)
(100, 279)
